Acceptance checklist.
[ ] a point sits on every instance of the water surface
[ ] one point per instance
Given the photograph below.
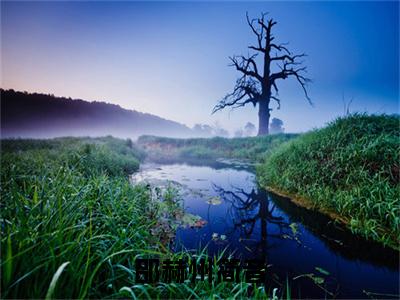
(252, 223)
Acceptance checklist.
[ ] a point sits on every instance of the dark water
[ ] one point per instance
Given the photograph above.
(256, 224)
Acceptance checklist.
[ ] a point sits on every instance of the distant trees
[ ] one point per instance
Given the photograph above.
(249, 129)
(238, 133)
(219, 131)
(258, 84)
(204, 130)
(276, 126)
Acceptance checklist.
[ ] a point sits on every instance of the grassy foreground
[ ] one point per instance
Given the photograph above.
(67, 201)
(350, 168)
(251, 148)
(72, 224)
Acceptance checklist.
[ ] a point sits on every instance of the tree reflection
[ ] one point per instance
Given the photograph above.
(248, 208)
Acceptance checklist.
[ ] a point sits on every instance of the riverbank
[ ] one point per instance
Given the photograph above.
(72, 224)
(244, 220)
(69, 200)
(349, 168)
(307, 204)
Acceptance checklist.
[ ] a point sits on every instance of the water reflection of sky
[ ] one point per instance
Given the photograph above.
(266, 227)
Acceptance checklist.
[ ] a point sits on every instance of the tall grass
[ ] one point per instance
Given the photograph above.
(203, 289)
(350, 167)
(72, 224)
(69, 200)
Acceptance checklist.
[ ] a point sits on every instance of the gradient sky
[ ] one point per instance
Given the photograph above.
(170, 58)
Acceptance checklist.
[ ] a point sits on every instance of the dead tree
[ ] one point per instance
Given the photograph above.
(258, 85)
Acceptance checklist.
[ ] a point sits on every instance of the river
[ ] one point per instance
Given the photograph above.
(318, 257)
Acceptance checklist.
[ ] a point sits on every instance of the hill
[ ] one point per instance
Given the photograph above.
(43, 116)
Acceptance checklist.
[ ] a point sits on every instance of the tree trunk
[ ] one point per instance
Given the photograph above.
(263, 118)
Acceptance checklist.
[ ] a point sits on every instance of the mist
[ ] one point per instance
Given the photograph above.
(46, 116)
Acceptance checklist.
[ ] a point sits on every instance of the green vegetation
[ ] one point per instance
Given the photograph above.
(72, 224)
(69, 200)
(252, 148)
(351, 168)
(87, 155)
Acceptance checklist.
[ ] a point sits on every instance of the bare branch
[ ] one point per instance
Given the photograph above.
(246, 91)
(251, 61)
(288, 68)
(257, 82)
(275, 87)
(267, 27)
(244, 66)
(259, 35)
(280, 47)
(277, 100)
(303, 82)
(259, 49)
(288, 57)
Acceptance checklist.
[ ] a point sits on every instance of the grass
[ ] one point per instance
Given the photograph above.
(69, 201)
(251, 148)
(204, 289)
(72, 224)
(351, 168)
(90, 155)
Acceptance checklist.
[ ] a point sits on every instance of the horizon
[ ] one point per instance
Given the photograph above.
(231, 134)
(65, 48)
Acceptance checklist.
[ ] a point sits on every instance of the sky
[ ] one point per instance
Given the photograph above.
(171, 58)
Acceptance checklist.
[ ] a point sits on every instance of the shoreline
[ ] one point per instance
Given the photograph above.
(308, 204)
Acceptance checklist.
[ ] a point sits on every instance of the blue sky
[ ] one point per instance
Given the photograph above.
(171, 58)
